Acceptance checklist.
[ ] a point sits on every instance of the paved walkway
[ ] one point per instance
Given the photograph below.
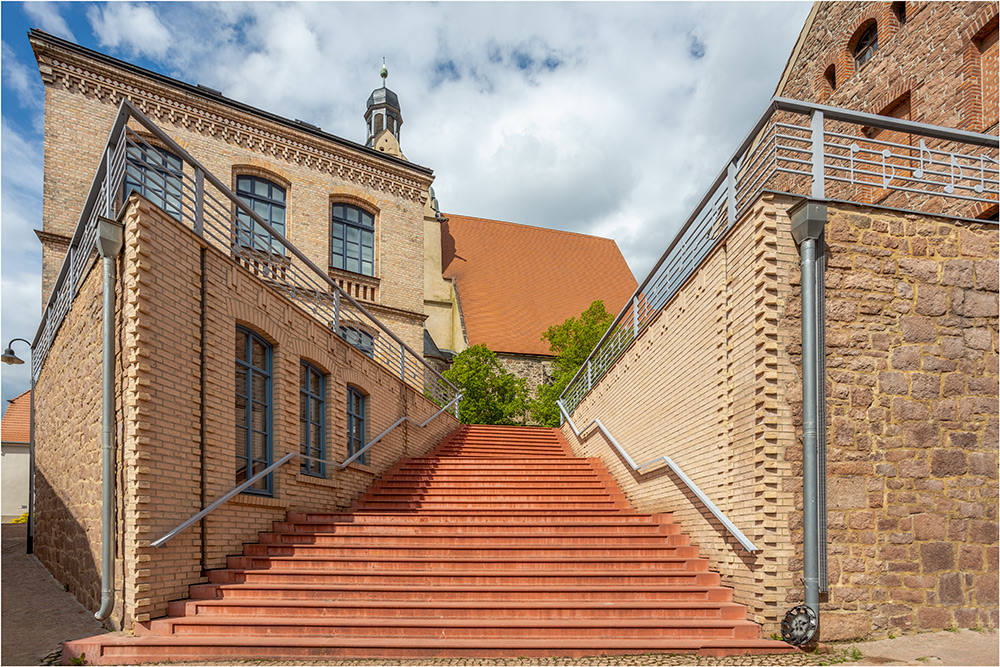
(38, 615)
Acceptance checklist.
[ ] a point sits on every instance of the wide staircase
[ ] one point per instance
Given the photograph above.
(499, 543)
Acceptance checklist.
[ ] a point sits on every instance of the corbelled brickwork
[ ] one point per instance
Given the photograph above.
(704, 385)
(166, 434)
(911, 308)
(912, 414)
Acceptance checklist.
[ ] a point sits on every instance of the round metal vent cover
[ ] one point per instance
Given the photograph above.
(799, 625)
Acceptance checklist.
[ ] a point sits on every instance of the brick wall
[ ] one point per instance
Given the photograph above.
(704, 385)
(82, 98)
(161, 446)
(714, 383)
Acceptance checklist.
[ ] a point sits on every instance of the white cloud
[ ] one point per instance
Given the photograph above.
(48, 18)
(22, 80)
(133, 28)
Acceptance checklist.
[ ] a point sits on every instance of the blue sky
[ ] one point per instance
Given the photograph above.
(603, 118)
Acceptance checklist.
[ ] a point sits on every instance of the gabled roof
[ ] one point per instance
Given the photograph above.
(16, 424)
(515, 281)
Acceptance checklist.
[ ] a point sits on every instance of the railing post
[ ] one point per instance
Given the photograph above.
(731, 193)
(336, 311)
(590, 381)
(109, 197)
(199, 202)
(402, 362)
(816, 136)
(635, 317)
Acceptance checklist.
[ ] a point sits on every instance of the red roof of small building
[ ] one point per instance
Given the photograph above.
(16, 424)
(515, 281)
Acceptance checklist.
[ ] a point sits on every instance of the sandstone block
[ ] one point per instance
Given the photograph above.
(924, 270)
(932, 300)
(907, 357)
(987, 274)
(948, 462)
(937, 556)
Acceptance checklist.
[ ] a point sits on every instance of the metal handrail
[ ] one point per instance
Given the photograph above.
(215, 504)
(716, 512)
(727, 184)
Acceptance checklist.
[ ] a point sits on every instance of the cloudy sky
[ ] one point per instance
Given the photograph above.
(604, 118)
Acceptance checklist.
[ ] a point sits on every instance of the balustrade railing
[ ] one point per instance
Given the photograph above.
(140, 157)
(815, 151)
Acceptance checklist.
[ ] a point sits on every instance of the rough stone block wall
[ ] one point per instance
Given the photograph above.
(534, 369)
(911, 311)
(68, 449)
(704, 385)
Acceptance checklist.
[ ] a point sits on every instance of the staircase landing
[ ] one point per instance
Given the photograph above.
(499, 543)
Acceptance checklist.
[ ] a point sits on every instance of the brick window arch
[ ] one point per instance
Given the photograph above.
(864, 44)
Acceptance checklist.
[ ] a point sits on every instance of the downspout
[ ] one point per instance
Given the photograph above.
(808, 219)
(109, 245)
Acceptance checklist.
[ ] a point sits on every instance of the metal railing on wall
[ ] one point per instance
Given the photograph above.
(817, 151)
(140, 157)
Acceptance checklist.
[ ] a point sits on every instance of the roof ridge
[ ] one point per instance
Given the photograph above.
(521, 224)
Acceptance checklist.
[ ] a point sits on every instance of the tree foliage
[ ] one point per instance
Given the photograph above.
(571, 342)
(490, 395)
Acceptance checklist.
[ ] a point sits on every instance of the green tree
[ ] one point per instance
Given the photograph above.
(571, 342)
(490, 395)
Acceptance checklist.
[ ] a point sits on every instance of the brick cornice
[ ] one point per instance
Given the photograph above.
(50, 238)
(175, 106)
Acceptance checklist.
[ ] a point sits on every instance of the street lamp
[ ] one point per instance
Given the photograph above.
(12, 359)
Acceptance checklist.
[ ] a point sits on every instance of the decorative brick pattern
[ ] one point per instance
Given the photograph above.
(159, 415)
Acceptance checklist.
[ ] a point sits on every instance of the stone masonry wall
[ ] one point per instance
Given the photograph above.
(704, 385)
(68, 449)
(911, 311)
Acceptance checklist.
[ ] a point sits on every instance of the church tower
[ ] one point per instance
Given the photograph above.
(383, 118)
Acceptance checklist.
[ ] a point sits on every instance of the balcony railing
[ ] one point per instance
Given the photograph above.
(140, 156)
(815, 151)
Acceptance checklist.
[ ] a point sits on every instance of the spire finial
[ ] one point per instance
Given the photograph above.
(384, 73)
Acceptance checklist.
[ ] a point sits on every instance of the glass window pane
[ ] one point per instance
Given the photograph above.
(261, 209)
(338, 211)
(243, 184)
(259, 355)
(260, 449)
(367, 253)
(278, 217)
(259, 418)
(278, 193)
(367, 219)
(260, 188)
(241, 345)
(303, 377)
(315, 385)
(338, 231)
(352, 265)
(259, 388)
(353, 235)
(352, 214)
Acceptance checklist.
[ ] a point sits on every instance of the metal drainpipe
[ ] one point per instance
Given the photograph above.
(109, 245)
(808, 219)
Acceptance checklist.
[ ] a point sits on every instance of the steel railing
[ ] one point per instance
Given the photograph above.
(816, 151)
(140, 156)
(687, 481)
(223, 499)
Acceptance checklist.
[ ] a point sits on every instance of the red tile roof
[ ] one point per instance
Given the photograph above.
(16, 424)
(515, 281)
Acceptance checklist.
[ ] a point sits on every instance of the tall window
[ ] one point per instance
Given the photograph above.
(867, 45)
(362, 340)
(352, 239)
(267, 200)
(156, 175)
(355, 423)
(253, 409)
(312, 421)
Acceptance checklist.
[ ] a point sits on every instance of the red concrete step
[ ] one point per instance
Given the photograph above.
(484, 547)
(110, 649)
(610, 593)
(506, 628)
(461, 563)
(390, 608)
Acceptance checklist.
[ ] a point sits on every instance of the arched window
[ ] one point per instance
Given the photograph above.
(867, 45)
(352, 239)
(155, 173)
(253, 409)
(355, 423)
(267, 200)
(831, 76)
(360, 339)
(899, 9)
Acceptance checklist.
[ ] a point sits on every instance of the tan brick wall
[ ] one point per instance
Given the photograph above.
(714, 383)
(160, 446)
(704, 385)
(82, 98)
(911, 308)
